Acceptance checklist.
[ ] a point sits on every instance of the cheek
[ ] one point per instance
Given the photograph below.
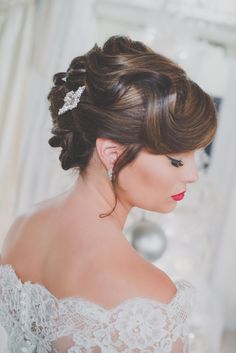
(154, 180)
(147, 185)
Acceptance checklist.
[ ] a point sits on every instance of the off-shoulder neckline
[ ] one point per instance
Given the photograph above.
(181, 285)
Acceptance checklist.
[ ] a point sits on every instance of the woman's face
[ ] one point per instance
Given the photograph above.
(150, 180)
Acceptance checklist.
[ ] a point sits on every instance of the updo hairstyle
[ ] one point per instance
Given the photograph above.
(133, 96)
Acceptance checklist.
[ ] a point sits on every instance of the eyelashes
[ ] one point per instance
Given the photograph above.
(176, 162)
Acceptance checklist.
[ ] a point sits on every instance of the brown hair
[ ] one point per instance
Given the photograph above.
(135, 97)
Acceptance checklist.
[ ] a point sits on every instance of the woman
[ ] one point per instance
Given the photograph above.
(129, 121)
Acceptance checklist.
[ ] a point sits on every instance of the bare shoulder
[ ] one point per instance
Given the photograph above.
(161, 286)
(17, 227)
(19, 241)
(153, 283)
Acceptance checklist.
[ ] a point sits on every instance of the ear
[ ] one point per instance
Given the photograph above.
(108, 151)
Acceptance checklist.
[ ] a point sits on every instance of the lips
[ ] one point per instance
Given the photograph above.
(178, 197)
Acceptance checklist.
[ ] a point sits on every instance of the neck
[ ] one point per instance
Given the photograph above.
(95, 196)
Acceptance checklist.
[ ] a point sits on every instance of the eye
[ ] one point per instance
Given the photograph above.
(176, 162)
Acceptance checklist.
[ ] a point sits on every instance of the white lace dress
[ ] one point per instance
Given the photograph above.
(37, 322)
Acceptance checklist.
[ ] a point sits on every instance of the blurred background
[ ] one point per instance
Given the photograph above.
(197, 241)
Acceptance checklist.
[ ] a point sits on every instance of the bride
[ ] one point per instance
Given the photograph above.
(128, 121)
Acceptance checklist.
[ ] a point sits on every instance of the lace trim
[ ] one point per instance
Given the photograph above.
(35, 318)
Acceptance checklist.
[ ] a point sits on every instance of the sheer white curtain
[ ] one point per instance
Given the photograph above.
(38, 38)
(16, 38)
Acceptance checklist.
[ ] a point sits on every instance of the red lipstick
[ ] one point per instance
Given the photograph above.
(178, 197)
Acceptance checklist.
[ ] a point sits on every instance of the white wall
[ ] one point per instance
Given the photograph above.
(223, 168)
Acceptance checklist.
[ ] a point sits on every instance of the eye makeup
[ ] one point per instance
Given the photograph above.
(176, 162)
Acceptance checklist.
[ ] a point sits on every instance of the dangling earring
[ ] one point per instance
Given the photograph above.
(109, 173)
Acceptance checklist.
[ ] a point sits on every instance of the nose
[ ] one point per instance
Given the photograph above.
(193, 177)
(191, 173)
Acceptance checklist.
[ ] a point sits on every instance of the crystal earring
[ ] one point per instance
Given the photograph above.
(109, 173)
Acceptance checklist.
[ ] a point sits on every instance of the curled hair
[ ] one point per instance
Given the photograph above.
(133, 96)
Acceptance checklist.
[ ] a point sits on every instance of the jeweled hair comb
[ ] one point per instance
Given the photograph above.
(71, 100)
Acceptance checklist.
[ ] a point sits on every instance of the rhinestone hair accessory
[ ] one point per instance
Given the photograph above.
(71, 100)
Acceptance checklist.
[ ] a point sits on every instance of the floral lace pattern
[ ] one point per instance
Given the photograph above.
(38, 322)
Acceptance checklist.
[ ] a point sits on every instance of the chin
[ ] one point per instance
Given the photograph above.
(163, 209)
(167, 209)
